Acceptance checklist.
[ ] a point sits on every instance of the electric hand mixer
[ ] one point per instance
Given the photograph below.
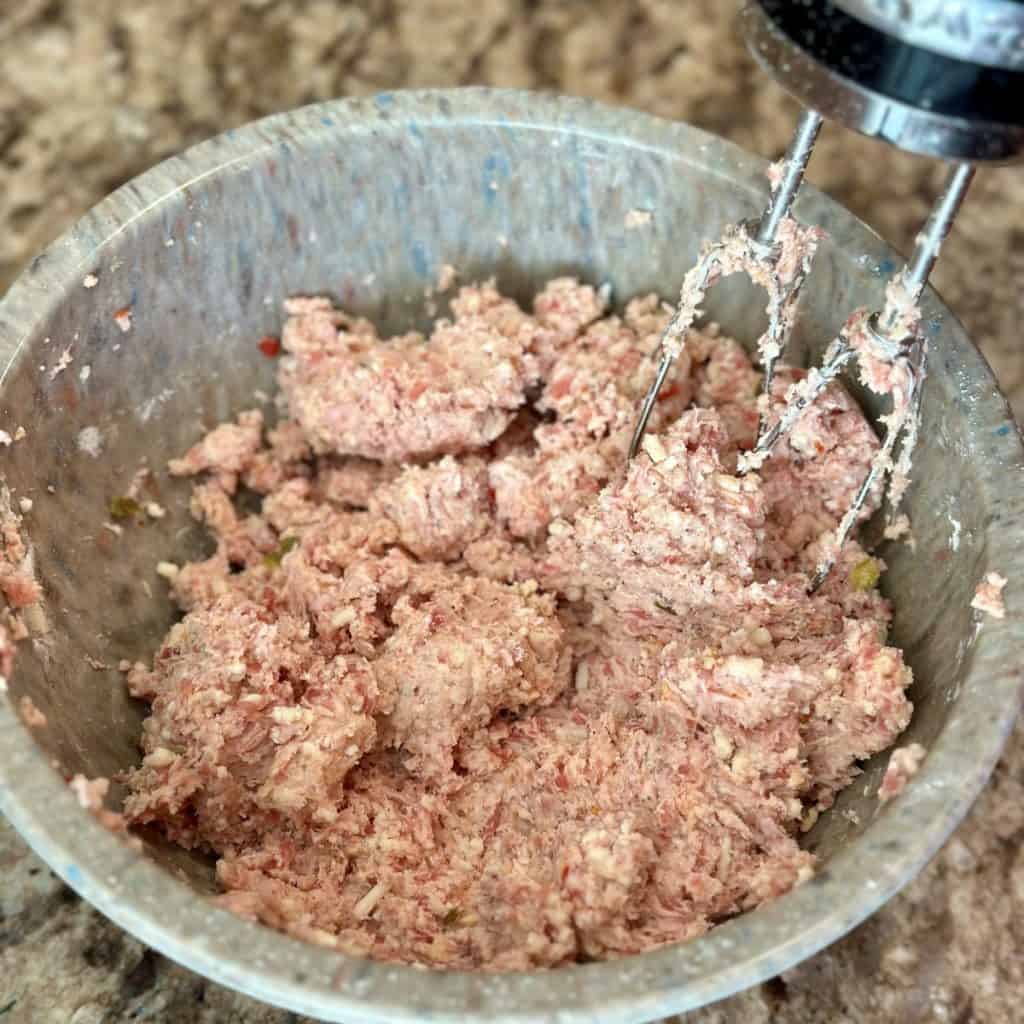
(942, 78)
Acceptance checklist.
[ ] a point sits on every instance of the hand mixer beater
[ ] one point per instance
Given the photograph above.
(920, 84)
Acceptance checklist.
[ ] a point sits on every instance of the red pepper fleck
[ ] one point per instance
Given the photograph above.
(270, 346)
(560, 388)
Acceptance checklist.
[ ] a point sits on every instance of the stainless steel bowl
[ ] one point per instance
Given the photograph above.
(365, 200)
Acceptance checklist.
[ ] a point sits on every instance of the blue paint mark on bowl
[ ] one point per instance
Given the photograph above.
(497, 164)
(885, 268)
(384, 99)
(414, 130)
(419, 259)
(583, 218)
(72, 874)
(277, 219)
(1004, 430)
(402, 193)
(326, 121)
(496, 169)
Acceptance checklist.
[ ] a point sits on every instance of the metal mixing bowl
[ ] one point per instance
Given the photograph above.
(365, 200)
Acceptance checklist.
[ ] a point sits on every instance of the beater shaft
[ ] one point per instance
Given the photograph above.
(794, 169)
(940, 221)
(781, 202)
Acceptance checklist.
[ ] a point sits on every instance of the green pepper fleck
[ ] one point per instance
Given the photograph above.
(273, 559)
(124, 508)
(865, 574)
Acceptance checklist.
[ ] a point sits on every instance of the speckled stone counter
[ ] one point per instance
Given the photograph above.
(94, 91)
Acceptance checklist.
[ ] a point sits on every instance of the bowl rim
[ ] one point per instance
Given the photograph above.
(164, 912)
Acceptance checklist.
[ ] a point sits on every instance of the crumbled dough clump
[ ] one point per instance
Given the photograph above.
(17, 579)
(438, 509)
(468, 691)
(903, 765)
(228, 449)
(403, 398)
(988, 597)
(30, 714)
(470, 649)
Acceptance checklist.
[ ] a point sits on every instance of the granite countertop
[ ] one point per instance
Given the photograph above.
(94, 91)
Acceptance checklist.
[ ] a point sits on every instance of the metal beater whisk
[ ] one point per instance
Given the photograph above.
(752, 249)
(893, 340)
(889, 344)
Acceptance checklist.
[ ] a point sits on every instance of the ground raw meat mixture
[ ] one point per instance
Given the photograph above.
(468, 693)
(988, 596)
(904, 763)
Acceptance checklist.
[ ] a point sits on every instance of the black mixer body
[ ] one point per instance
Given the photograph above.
(943, 78)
